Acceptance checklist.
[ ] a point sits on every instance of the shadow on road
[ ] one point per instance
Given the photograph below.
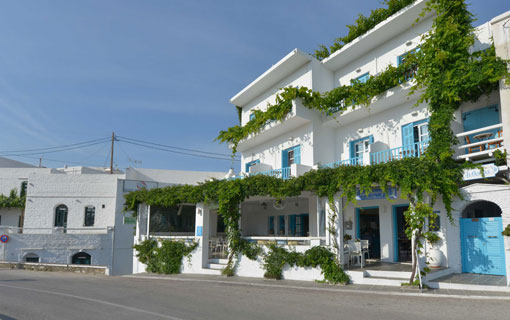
(4, 317)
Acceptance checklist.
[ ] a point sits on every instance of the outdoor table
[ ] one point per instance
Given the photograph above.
(483, 136)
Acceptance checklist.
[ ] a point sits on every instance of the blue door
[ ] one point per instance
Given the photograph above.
(482, 246)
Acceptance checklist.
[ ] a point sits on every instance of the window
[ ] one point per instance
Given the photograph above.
(220, 224)
(290, 156)
(360, 147)
(322, 223)
(415, 132)
(81, 258)
(32, 257)
(402, 59)
(176, 219)
(90, 213)
(251, 164)
(363, 78)
(252, 116)
(23, 189)
(270, 227)
(61, 216)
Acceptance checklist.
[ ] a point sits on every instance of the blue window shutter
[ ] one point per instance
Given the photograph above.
(285, 158)
(281, 225)
(407, 135)
(363, 78)
(252, 116)
(351, 149)
(249, 164)
(292, 225)
(297, 155)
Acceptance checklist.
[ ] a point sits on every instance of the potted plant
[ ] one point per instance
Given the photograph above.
(347, 238)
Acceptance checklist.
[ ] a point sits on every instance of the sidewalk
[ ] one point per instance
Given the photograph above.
(314, 286)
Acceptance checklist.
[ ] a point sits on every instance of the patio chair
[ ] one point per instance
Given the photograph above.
(496, 144)
(474, 149)
(357, 252)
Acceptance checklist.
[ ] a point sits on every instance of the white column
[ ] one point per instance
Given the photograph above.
(500, 26)
(330, 210)
(202, 232)
(148, 220)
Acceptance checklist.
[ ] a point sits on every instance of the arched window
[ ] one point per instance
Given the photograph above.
(482, 209)
(31, 257)
(23, 189)
(90, 213)
(81, 258)
(61, 216)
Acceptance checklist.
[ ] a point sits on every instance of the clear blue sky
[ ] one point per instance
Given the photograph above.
(161, 71)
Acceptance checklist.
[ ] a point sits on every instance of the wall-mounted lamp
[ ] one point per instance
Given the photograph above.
(409, 43)
(358, 70)
(264, 205)
(414, 113)
(360, 130)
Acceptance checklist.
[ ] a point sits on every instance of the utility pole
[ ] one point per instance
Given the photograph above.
(111, 157)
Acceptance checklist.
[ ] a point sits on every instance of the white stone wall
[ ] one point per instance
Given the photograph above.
(58, 247)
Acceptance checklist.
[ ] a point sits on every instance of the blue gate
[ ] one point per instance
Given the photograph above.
(482, 246)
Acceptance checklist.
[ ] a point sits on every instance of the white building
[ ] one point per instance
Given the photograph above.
(75, 215)
(390, 128)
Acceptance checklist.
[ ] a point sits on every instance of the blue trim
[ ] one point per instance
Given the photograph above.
(370, 139)
(297, 156)
(252, 116)
(249, 164)
(395, 231)
(363, 78)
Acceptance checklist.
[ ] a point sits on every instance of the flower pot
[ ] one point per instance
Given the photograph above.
(435, 258)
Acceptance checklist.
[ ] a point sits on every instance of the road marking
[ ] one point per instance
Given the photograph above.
(384, 293)
(111, 304)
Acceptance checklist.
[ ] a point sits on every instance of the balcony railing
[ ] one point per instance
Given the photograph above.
(480, 143)
(413, 150)
(283, 173)
(347, 162)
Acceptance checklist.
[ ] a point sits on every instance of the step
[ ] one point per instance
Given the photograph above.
(218, 261)
(215, 266)
(388, 274)
(470, 287)
(380, 281)
(213, 272)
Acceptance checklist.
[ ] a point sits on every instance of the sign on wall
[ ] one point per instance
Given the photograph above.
(135, 185)
(490, 170)
(376, 193)
(199, 231)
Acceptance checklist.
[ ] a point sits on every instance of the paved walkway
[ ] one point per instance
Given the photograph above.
(314, 286)
(476, 279)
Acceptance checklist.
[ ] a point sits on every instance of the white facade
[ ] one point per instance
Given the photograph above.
(340, 140)
(94, 221)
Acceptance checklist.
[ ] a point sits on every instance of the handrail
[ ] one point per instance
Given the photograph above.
(283, 173)
(467, 133)
(413, 150)
(347, 162)
(282, 238)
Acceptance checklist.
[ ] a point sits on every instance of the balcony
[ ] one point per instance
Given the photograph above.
(347, 162)
(479, 145)
(284, 173)
(413, 150)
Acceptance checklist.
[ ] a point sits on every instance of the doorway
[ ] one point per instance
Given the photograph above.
(61, 216)
(401, 242)
(368, 228)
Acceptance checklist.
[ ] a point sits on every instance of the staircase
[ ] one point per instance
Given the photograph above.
(214, 266)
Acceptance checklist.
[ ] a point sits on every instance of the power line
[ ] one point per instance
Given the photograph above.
(57, 147)
(173, 147)
(178, 152)
(62, 161)
(53, 151)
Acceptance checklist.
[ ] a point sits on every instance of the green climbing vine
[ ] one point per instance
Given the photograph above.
(165, 258)
(277, 257)
(445, 73)
(13, 200)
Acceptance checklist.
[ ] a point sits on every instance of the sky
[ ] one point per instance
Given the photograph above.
(161, 71)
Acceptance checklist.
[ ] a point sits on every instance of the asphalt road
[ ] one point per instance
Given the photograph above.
(44, 295)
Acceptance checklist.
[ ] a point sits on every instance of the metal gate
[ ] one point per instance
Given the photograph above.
(482, 246)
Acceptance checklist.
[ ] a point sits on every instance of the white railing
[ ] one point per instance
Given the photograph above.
(291, 241)
(493, 142)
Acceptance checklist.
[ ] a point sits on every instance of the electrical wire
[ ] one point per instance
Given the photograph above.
(52, 151)
(173, 147)
(178, 152)
(57, 147)
(62, 161)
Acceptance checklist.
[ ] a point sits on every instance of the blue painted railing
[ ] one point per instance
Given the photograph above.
(283, 173)
(347, 162)
(413, 150)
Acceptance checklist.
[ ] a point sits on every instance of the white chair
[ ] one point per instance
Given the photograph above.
(357, 252)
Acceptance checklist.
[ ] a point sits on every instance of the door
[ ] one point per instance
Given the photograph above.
(368, 229)
(482, 245)
(401, 242)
